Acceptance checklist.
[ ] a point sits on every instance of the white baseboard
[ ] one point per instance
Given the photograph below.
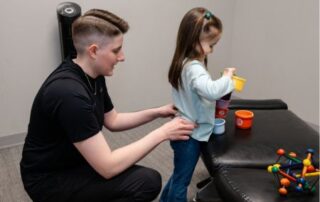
(12, 140)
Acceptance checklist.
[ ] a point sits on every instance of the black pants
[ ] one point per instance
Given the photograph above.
(85, 185)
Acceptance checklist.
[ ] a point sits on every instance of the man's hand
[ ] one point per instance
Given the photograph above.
(167, 111)
(177, 129)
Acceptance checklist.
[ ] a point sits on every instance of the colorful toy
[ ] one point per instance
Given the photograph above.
(289, 173)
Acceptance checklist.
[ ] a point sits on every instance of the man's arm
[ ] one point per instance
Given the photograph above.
(115, 121)
(110, 163)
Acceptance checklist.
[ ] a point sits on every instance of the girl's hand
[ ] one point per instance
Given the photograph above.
(167, 111)
(177, 129)
(229, 71)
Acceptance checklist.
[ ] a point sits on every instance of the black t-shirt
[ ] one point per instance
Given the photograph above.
(67, 109)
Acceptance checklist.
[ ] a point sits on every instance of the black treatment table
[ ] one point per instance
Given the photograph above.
(237, 161)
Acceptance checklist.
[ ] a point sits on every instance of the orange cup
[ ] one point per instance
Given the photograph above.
(244, 119)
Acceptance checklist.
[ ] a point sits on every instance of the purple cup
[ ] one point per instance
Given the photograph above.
(227, 96)
(222, 104)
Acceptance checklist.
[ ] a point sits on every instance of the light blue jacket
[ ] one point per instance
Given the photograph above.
(196, 100)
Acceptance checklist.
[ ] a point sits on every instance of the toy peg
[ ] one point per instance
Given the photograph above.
(283, 191)
(306, 163)
(281, 152)
(310, 174)
(287, 176)
(285, 182)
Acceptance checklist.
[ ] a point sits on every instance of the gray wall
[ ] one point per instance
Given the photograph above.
(273, 44)
(30, 50)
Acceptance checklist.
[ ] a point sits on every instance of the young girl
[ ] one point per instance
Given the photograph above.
(194, 94)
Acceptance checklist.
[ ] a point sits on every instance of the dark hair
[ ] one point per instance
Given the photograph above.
(96, 22)
(194, 22)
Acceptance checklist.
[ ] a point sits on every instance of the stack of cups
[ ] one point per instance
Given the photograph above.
(222, 106)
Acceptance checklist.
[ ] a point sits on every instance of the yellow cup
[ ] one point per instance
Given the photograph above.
(238, 83)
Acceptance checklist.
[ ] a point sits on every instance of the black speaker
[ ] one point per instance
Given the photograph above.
(67, 12)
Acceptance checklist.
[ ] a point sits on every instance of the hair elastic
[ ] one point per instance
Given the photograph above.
(208, 15)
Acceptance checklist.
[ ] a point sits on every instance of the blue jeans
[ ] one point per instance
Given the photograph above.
(186, 155)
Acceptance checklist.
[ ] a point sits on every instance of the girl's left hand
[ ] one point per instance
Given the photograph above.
(167, 111)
